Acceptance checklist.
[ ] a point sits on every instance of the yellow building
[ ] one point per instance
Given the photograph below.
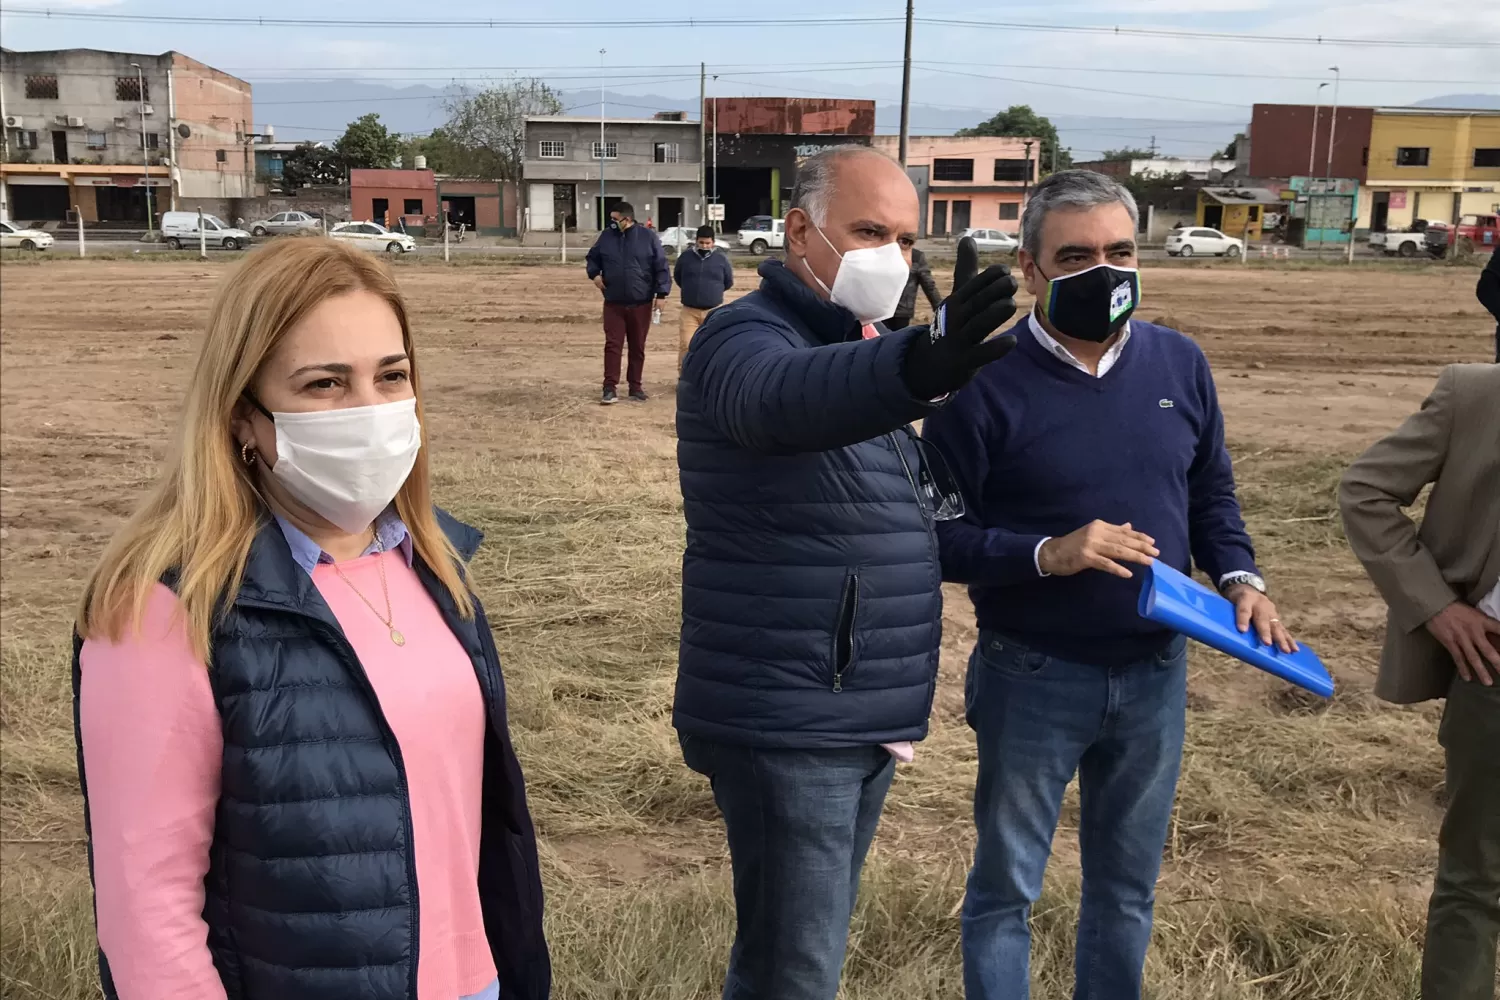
(1429, 163)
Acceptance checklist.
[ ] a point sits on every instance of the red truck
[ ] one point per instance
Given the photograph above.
(1473, 234)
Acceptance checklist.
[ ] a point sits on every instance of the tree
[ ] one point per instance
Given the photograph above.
(1128, 153)
(311, 164)
(443, 154)
(366, 143)
(486, 131)
(1020, 120)
(1228, 152)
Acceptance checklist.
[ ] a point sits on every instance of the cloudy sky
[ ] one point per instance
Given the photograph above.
(986, 61)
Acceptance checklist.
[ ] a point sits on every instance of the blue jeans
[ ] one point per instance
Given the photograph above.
(1039, 720)
(799, 823)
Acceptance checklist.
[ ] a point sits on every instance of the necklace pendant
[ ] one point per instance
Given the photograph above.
(397, 637)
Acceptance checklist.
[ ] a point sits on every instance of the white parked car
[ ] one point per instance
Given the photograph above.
(761, 240)
(1196, 240)
(679, 238)
(373, 236)
(993, 240)
(284, 222)
(13, 236)
(181, 228)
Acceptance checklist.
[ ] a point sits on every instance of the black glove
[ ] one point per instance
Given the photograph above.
(955, 347)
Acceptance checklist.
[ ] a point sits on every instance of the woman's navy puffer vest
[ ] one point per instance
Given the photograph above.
(311, 889)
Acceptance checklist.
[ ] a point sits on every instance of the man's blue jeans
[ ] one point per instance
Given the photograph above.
(1039, 720)
(799, 824)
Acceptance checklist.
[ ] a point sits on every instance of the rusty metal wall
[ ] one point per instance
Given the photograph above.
(790, 116)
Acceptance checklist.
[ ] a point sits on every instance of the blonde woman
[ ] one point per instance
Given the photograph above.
(298, 778)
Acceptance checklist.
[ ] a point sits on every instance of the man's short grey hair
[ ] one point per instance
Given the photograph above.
(814, 188)
(1071, 189)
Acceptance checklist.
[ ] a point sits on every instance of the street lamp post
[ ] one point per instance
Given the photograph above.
(140, 82)
(603, 203)
(1333, 122)
(1312, 146)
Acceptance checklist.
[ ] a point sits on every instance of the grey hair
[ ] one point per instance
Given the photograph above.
(1071, 189)
(814, 188)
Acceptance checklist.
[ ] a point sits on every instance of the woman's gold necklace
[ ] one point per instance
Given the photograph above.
(388, 618)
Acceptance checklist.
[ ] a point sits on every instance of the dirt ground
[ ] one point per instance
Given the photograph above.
(1305, 831)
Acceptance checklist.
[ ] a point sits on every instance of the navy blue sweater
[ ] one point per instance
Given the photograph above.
(703, 279)
(1040, 448)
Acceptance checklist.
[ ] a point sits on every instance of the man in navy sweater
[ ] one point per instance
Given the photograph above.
(1097, 446)
(704, 275)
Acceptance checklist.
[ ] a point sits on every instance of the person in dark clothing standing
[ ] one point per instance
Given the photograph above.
(921, 275)
(627, 263)
(1489, 294)
(704, 275)
(811, 594)
(1096, 448)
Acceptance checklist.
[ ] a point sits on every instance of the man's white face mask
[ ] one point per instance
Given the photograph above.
(870, 280)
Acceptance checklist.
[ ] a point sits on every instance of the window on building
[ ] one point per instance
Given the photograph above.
(132, 88)
(1012, 170)
(553, 149)
(1412, 156)
(153, 141)
(611, 151)
(1487, 157)
(1010, 210)
(97, 140)
(25, 140)
(952, 170)
(412, 206)
(1254, 213)
(220, 155)
(665, 152)
(41, 87)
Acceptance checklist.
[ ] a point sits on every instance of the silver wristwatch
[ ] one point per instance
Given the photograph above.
(1242, 576)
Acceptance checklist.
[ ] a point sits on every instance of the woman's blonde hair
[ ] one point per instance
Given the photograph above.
(202, 515)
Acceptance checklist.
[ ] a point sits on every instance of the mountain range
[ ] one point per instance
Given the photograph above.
(320, 109)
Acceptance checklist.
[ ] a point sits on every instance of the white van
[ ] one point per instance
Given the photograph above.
(179, 229)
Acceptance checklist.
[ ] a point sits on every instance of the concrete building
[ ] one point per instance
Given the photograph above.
(969, 181)
(757, 143)
(1408, 163)
(386, 196)
(76, 121)
(652, 163)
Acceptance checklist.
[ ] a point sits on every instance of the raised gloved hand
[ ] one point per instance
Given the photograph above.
(955, 347)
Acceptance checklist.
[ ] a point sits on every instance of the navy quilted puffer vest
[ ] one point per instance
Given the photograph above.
(311, 889)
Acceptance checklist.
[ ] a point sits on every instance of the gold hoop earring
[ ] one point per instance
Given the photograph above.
(247, 454)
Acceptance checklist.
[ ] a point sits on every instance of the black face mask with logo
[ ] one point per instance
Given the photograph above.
(1093, 304)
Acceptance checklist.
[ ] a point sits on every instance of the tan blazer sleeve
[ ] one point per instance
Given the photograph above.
(1381, 482)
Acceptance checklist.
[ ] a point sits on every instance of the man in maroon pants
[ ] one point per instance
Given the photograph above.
(627, 264)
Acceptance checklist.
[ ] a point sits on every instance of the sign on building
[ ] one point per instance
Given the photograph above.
(715, 213)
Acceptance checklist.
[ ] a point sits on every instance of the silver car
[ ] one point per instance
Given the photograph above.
(283, 223)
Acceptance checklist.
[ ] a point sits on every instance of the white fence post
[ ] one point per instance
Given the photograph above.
(79, 212)
(202, 238)
(564, 240)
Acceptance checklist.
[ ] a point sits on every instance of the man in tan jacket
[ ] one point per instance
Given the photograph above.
(1442, 584)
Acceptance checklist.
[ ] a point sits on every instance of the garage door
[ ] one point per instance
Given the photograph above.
(540, 204)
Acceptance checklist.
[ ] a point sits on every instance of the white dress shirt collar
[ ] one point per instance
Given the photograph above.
(1066, 356)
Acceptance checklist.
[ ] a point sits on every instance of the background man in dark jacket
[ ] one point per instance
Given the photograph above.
(704, 275)
(921, 275)
(1097, 447)
(627, 264)
(811, 608)
(1489, 294)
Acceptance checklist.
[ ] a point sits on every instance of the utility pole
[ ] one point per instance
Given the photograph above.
(603, 204)
(1333, 122)
(140, 82)
(906, 88)
(718, 223)
(1312, 147)
(702, 141)
(1153, 147)
(1026, 183)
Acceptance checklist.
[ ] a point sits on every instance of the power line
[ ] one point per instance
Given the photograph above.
(742, 22)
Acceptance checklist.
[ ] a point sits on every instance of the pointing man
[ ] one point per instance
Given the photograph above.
(811, 601)
(1096, 447)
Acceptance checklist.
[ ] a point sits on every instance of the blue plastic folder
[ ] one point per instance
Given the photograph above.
(1185, 605)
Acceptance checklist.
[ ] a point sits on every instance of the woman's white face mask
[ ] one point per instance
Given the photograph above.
(349, 464)
(870, 280)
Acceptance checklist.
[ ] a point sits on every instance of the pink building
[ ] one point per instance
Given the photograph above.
(968, 182)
